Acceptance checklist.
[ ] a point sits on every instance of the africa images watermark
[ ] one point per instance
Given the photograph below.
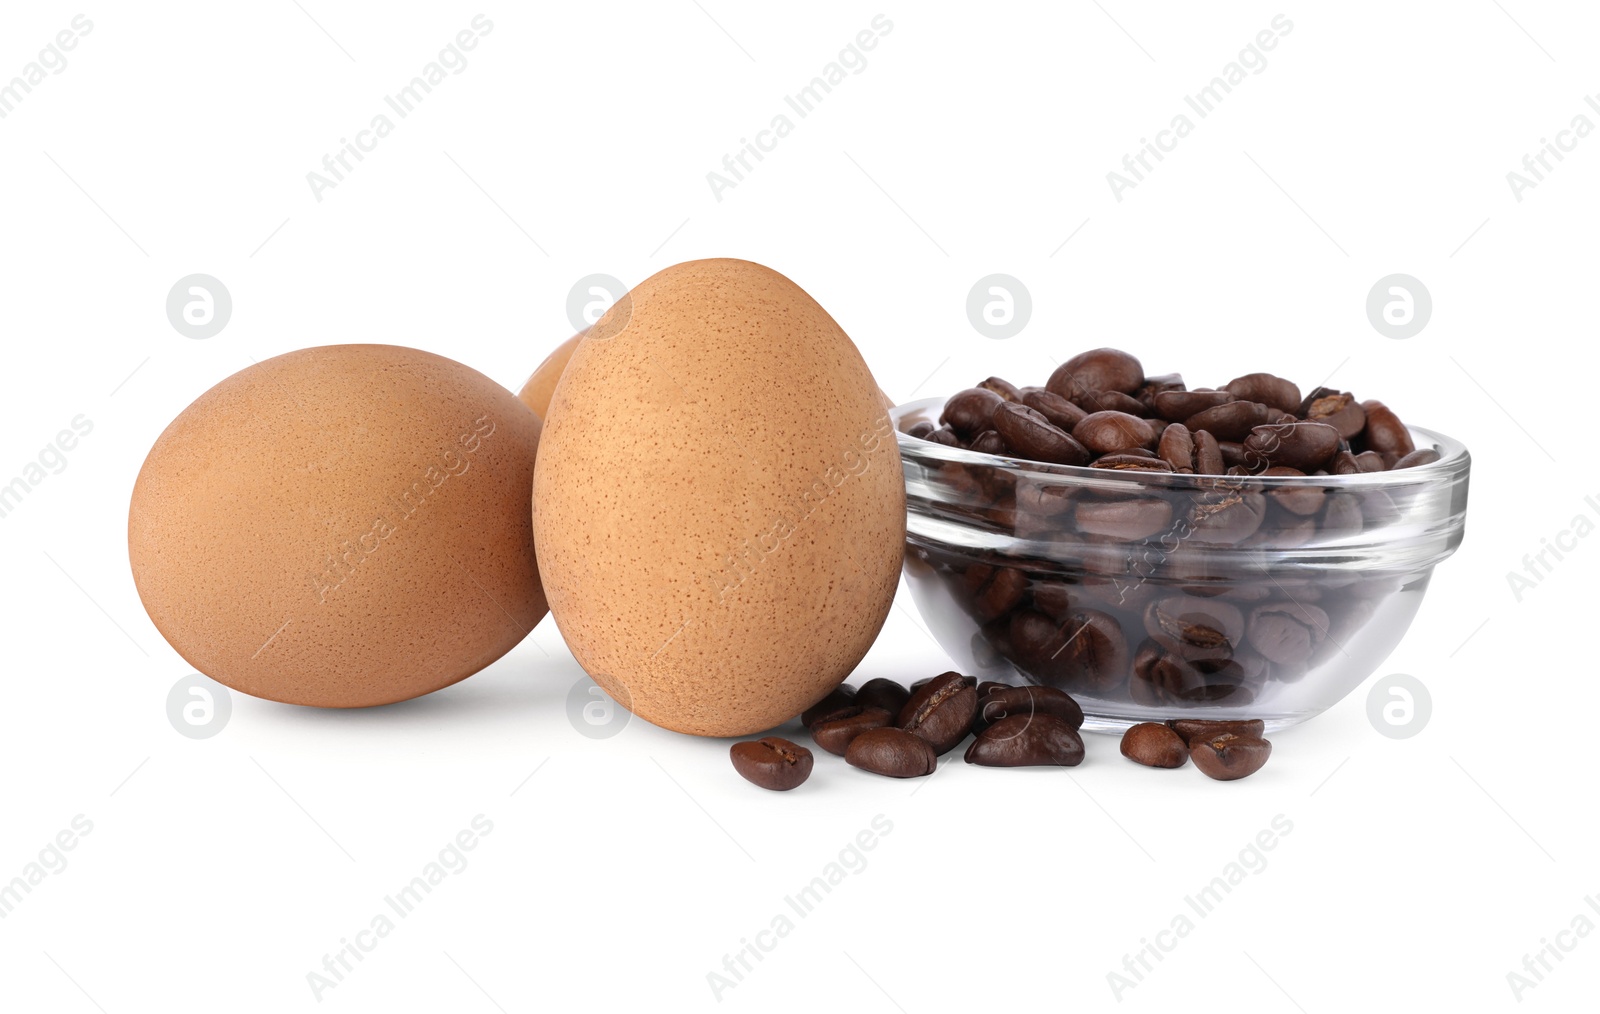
(850, 861)
(402, 904)
(345, 560)
(52, 859)
(851, 60)
(1553, 549)
(742, 562)
(452, 60)
(52, 59)
(1251, 861)
(1251, 60)
(1543, 961)
(52, 460)
(1537, 166)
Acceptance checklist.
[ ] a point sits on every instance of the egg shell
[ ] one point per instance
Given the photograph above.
(541, 384)
(718, 502)
(341, 526)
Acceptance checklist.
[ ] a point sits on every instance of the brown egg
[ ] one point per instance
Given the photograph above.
(341, 526)
(542, 384)
(719, 502)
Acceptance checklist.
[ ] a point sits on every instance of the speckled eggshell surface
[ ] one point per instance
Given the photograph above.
(718, 501)
(541, 384)
(341, 526)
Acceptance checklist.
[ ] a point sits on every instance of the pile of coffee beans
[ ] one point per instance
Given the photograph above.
(901, 732)
(1123, 586)
(1099, 409)
(1224, 750)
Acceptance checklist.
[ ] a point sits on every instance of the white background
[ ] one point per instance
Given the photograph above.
(577, 140)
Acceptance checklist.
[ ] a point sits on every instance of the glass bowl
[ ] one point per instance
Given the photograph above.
(1152, 595)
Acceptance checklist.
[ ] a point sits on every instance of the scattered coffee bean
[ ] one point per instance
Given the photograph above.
(893, 752)
(839, 700)
(772, 763)
(1154, 745)
(883, 693)
(1002, 701)
(1191, 729)
(941, 712)
(1230, 756)
(835, 734)
(1027, 741)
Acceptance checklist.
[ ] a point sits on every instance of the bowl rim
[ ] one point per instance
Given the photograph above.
(1454, 461)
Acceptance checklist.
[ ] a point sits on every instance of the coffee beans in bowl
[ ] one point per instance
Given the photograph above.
(1246, 551)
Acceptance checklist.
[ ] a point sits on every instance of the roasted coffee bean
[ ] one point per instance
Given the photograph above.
(1232, 421)
(1228, 517)
(835, 734)
(1058, 410)
(1370, 461)
(1128, 520)
(999, 702)
(941, 712)
(1105, 432)
(1159, 678)
(1339, 410)
(1420, 456)
(883, 693)
(1385, 433)
(988, 442)
(920, 429)
(1287, 632)
(1274, 392)
(1195, 628)
(1154, 745)
(994, 590)
(1207, 454)
(1296, 499)
(945, 435)
(987, 687)
(893, 752)
(1341, 514)
(1178, 406)
(1053, 598)
(1097, 370)
(969, 412)
(1153, 386)
(1112, 401)
(1306, 446)
(1131, 461)
(1191, 729)
(1176, 447)
(1085, 652)
(839, 700)
(1229, 756)
(771, 762)
(1027, 741)
(1004, 388)
(1043, 498)
(1030, 435)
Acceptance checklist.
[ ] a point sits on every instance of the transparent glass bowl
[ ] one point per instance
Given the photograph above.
(1153, 595)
